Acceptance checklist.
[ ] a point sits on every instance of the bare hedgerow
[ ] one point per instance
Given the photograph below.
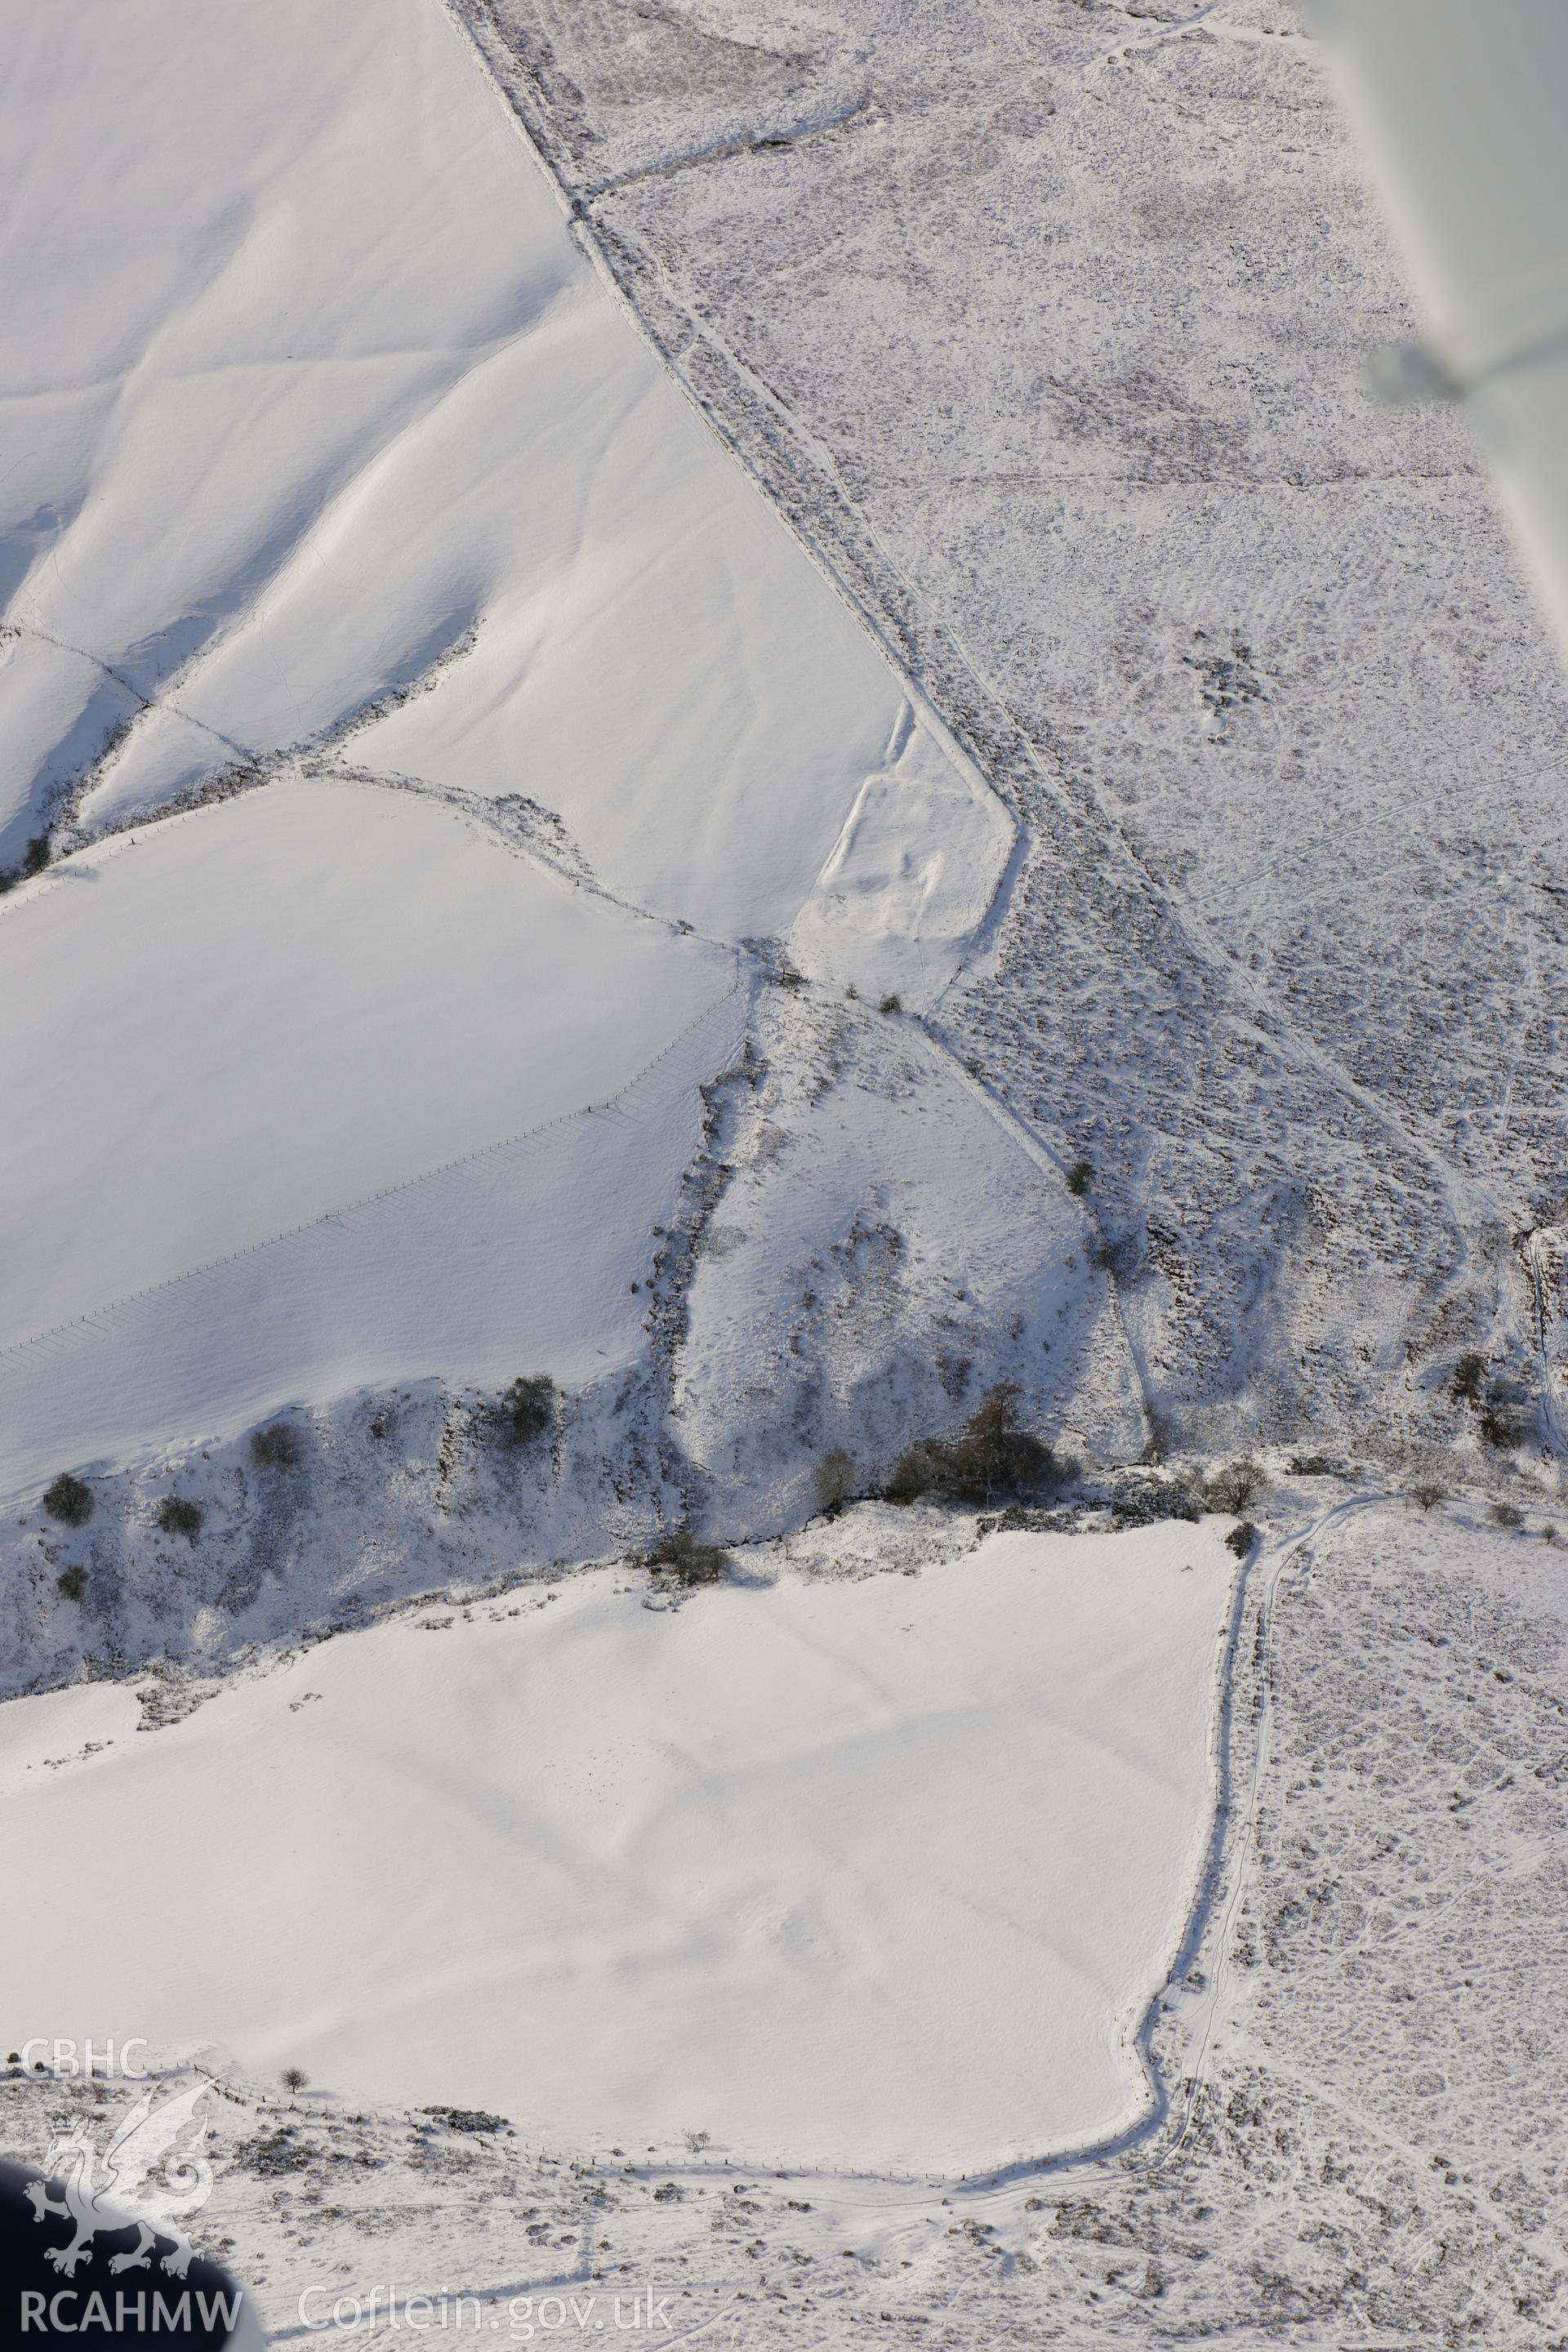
(275, 1447)
(681, 1555)
(70, 1501)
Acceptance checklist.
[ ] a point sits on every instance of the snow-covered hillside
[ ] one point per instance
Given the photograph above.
(354, 527)
(1047, 324)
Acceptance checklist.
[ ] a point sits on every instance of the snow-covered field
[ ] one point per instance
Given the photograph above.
(1365, 2144)
(277, 1006)
(318, 390)
(349, 1088)
(874, 1872)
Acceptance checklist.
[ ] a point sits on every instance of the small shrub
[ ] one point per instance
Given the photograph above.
(1427, 1495)
(1136, 1499)
(697, 2141)
(1236, 1487)
(294, 2078)
(70, 1501)
(1468, 1373)
(72, 1583)
(1079, 1177)
(1241, 1538)
(679, 1554)
(273, 2154)
(1508, 1514)
(835, 1481)
(1313, 1465)
(530, 1408)
(468, 2119)
(276, 1447)
(891, 1004)
(177, 1516)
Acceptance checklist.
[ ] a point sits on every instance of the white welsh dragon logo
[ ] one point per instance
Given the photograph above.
(147, 2172)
